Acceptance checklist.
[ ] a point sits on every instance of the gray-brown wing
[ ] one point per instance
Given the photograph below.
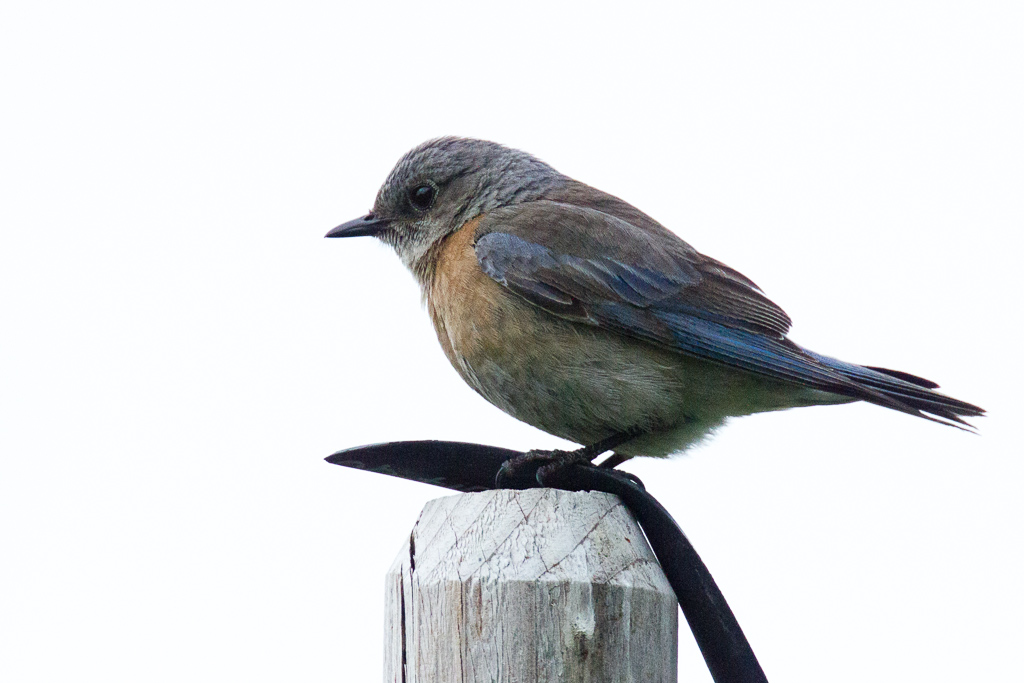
(644, 265)
(591, 267)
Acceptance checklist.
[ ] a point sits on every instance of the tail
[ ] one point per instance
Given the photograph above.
(901, 391)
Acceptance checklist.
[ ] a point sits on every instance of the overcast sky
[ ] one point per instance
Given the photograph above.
(181, 347)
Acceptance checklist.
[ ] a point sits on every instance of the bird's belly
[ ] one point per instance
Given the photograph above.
(582, 390)
(585, 384)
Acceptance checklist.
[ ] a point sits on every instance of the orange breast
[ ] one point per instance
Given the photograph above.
(465, 305)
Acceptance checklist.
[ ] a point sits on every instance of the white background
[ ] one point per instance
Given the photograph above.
(181, 348)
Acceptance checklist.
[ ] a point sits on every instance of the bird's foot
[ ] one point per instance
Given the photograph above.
(538, 467)
(525, 471)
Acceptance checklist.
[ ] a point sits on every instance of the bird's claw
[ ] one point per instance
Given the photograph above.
(531, 468)
(545, 468)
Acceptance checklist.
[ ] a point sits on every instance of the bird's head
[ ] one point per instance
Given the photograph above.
(437, 187)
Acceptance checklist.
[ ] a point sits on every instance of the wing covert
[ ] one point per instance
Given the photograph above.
(546, 247)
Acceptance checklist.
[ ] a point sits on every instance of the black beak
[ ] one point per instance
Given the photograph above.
(367, 225)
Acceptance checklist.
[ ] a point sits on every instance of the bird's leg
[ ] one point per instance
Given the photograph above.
(528, 469)
(604, 445)
(614, 460)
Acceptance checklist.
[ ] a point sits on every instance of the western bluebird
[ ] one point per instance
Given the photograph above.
(579, 314)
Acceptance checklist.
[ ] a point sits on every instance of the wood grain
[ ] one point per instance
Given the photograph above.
(524, 586)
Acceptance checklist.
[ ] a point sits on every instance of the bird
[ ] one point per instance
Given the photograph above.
(575, 312)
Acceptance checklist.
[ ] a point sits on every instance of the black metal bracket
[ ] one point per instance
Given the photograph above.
(471, 467)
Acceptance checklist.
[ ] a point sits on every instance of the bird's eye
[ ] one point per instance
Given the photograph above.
(422, 196)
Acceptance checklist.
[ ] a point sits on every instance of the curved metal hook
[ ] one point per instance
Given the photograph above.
(472, 467)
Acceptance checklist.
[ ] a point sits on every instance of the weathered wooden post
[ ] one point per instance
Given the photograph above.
(528, 586)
